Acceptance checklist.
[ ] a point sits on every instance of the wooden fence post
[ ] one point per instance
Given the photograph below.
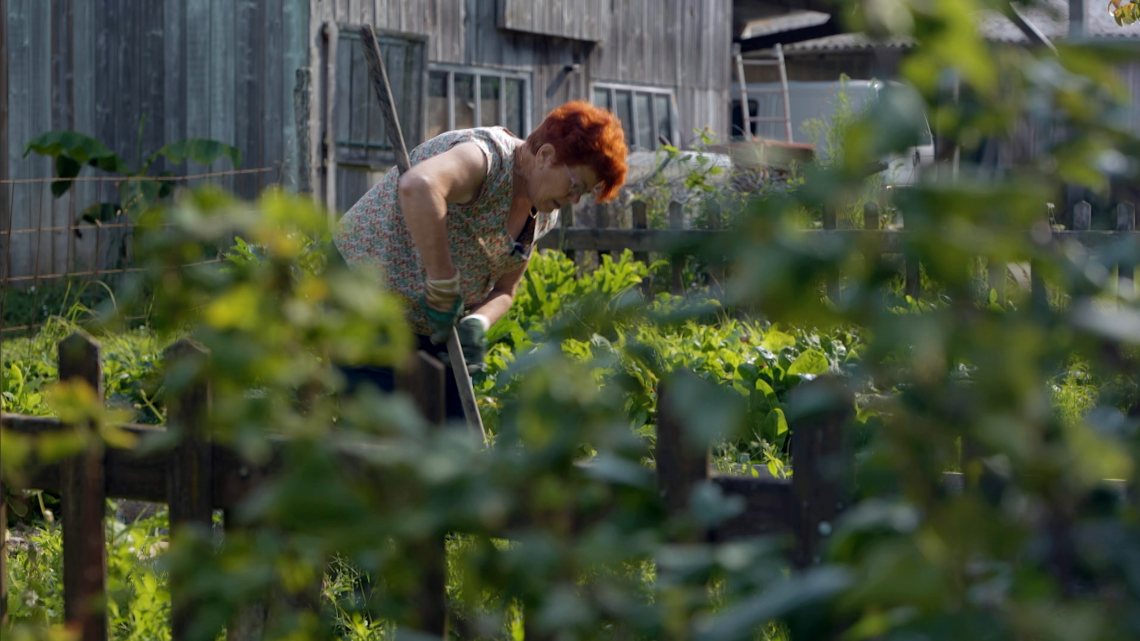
(717, 271)
(831, 222)
(83, 502)
(189, 488)
(1038, 294)
(677, 221)
(681, 464)
(603, 219)
(873, 255)
(424, 380)
(1126, 222)
(639, 219)
(3, 557)
(566, 221)
(822, 462)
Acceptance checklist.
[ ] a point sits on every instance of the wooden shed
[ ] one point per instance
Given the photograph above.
(284, 81)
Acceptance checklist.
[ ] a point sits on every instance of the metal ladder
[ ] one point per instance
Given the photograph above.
(747, 117)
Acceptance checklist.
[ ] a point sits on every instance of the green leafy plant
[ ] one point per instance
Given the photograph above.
(137, 190)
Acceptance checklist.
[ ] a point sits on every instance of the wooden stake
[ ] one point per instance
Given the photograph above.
(83, 504)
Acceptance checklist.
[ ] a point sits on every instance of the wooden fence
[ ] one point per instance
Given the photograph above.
(641, 240)
(198, 476)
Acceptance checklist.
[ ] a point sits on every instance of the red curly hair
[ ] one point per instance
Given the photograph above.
(583, 134)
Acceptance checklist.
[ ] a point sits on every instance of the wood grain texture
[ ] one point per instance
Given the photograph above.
(423, 379)
(1126, 223)
(680, 463)
(82, 503)
(819, 413)
(3, 519)
(190, 473)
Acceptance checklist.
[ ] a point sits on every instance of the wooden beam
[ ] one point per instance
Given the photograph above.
(190, 470)
(681, 463)
(6, 217)
(823, 480)
(425, 381)
(83, 502)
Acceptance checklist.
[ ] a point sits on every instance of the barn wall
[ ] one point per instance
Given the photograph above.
(684, 45)
(220, 69)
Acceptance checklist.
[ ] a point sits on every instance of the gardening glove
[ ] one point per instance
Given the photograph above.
(473, 339)
(443, 306)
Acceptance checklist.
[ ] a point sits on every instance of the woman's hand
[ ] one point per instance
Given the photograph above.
(473, 340)
(443, 305)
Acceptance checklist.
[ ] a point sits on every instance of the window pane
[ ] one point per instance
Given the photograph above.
(437, 103)
(464, 101)
(644, 121)
(489, 87)
(513, 95)
(625, 114)
(602, 98)
(664, 122)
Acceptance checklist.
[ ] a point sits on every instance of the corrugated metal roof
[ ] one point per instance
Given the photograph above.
(1051, 17)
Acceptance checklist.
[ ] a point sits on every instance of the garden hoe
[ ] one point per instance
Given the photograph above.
(379, 78)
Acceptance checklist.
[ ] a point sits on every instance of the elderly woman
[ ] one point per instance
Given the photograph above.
(454, 234)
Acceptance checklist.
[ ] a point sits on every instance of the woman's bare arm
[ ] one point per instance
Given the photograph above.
(502, 296)
(425, 191)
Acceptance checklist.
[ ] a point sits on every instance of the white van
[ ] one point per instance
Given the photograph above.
(810, 100)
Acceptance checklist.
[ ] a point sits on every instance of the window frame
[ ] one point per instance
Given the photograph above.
(375, 151)
(478, 73)
(613, 87)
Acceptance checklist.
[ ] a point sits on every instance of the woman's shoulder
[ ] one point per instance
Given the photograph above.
(494, 141)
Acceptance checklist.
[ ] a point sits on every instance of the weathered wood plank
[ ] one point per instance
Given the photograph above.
(332, 40)
(175, 69)
(822, 462)
(152, 101)
(296, 119)
(547, 17)
(195, 55)
(3, 503)
(82, 504)
(83, 193)
(769, 507)
(5, 211)
(359, 93)
(275, 93)
(681, 463)
(677, 223)
(191, 472)
(423, 379)
(249, 77)
(1126, 223)
(221, 78)
(62, 117)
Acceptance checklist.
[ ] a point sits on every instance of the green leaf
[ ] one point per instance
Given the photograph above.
(139, 195)
(81, 149)
(811, 362)
(775, 340)
(99, 212)
(200, 150)
(65, 167)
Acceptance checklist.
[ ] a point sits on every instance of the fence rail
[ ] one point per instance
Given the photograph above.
(679, 240)
(199, 476)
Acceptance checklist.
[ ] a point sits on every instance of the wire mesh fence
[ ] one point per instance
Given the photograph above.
(62, 247)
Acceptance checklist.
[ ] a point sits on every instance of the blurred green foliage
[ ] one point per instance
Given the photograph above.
(1035, 399)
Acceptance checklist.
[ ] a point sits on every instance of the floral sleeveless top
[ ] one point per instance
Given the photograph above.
(373, 231)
